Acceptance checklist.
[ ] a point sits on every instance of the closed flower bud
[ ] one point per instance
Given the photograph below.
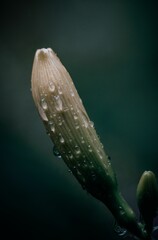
(68, 124)
(74, 135)
(147, 198)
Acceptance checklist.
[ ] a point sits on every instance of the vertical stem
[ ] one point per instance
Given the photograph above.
(124, 215)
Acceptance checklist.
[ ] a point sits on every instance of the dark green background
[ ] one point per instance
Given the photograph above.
(110, 49)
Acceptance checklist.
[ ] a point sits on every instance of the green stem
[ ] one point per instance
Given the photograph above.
(124, 215)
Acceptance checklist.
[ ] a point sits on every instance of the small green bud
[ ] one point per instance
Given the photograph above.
(147, 198)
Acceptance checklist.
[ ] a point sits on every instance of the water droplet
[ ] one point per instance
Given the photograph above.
(50, 122)
(56, 152)
(42, 114)
(52, 128)
(89, 148)
(77, 150)
(85, 121)
(48, 133)
(71, 156)
(51, 86)
(100, 155)
(119, 230)
(82, 140)
(44, 104)
(101, 145)
(62, 139)
(109, 163)
(122, 212)
(91, 124)
(60, 91)
(75, 117)
(59, 104)
(60, 123)
(72, 93)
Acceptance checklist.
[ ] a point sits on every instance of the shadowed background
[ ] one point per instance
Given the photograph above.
(110, 49)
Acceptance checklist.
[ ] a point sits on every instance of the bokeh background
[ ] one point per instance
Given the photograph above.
(110, 49)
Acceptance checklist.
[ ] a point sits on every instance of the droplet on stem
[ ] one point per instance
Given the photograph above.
(121, 232)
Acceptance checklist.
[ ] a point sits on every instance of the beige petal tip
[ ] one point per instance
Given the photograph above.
(43, 53)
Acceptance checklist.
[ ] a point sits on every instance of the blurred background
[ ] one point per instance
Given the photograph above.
(110, 49)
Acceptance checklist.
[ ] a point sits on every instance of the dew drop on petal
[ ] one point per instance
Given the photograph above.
(100, 155)
(50, 122)
(51, 86)
(44, 104)
(72, 93)
(91, 124)
(77, 150)
(60, 123)
(60, 91)
(62, 139)
(75, 117)
(42, 114)
(59, 104)
(71, 156)
(85, 121)
(56, 152)
(52, 128)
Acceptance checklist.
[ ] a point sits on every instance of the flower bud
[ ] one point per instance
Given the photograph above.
(74, 136)
(68, 124)
(147, 197)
